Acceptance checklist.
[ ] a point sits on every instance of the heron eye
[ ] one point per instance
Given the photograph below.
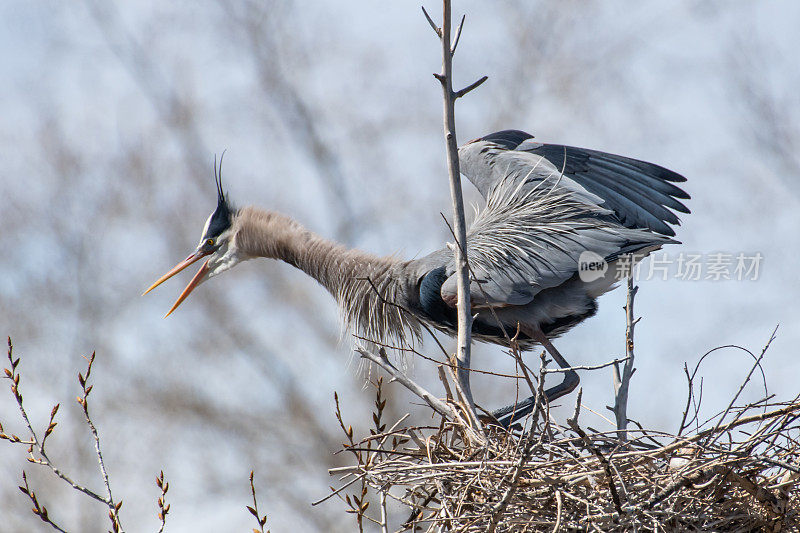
(209, 242)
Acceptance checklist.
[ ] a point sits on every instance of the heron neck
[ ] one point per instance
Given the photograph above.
(369, 289)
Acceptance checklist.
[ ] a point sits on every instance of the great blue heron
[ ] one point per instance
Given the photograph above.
(546, 205)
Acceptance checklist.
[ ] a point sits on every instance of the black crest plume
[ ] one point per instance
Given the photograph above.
(223, 214)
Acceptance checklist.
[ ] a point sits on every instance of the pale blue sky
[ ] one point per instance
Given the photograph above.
(667, 84)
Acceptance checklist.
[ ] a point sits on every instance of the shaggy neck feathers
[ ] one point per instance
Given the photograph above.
(369, 289)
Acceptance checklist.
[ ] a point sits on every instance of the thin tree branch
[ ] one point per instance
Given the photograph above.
(458, 35)
(436, 28)
(471, 86)
(262, 520)
(527, 451)
(462, 268)
(621, 383)
(384, 513)
(44, 460)
(585, 367)
(37, 445)
(756, 364)
(573, 423)
(381, 360)
(113, 508)
(163, 506)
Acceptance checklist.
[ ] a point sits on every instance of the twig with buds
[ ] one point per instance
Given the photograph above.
(262, 520)
(36, 446)
(163, 507)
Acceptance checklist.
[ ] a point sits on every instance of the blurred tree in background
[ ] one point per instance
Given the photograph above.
(112, 115)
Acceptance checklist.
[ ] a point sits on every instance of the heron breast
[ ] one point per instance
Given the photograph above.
(430, 298)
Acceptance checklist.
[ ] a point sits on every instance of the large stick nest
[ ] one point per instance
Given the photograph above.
(738, 471)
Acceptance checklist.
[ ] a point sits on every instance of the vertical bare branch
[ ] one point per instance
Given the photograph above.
(459, 224)
(621, 382)
(573, 423)
(262, 520)
(113, 508)
(384, 512)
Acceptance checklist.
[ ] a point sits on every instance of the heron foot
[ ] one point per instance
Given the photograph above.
(505, 416)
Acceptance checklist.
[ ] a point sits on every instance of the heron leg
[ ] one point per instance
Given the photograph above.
(508, 414)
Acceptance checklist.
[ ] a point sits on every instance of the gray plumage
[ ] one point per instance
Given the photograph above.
(524, 246)
(545, 206)
(641, 195)
(368, 288)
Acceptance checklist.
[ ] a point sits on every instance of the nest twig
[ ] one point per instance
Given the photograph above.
(739, 474)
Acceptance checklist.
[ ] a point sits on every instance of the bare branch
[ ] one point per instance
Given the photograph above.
(113, 512)
(458, 35)
(459, 224)
(586, 367)
(383, 361)
(262, 520)
(436, 28)
(525, 456)
(689, 398)
(621, 383)
(756, 364)
(470, 87)
(384, 513)
(573, 423)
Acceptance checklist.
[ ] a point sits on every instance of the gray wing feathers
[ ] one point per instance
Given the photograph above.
(530, 238)
(640, 194)
(547, 204)
(488, 166)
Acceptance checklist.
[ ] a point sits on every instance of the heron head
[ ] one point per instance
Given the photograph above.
(217, 245)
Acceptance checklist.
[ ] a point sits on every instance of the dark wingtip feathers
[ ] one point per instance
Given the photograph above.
(508, 139)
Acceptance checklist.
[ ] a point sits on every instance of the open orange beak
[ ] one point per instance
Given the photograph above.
(196, 280)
